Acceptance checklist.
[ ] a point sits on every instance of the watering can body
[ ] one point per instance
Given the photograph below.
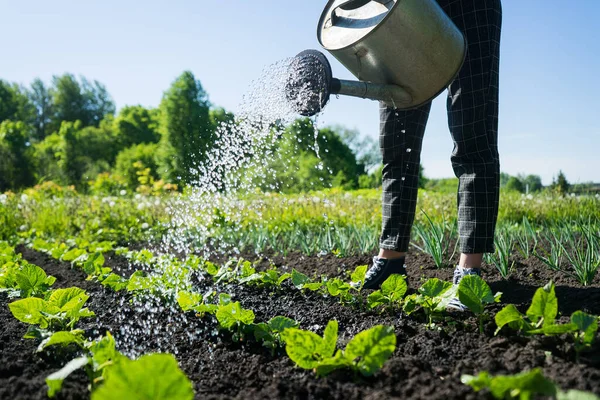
(408, 43)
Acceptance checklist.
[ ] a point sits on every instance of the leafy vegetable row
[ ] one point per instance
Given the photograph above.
(52, 315)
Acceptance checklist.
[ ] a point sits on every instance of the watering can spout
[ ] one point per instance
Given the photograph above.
(310, 84)
(392, 95)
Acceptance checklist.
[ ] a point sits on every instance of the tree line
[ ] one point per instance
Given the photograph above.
(68, 132)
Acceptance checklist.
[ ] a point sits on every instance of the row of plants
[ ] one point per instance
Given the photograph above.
(365, 353)
(51, 315)
(310, 351)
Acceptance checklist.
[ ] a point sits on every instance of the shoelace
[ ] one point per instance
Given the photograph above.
(377, 265)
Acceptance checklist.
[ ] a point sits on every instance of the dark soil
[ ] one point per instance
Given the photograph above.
(426, 364)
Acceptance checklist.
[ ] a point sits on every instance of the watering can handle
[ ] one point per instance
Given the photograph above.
(351, 5)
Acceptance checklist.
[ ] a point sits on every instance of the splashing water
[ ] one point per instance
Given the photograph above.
(238, 161)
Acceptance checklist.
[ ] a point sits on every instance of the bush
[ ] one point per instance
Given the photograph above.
(127, 167)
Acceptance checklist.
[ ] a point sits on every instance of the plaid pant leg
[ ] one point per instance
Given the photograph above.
(473, 121)
(400, 141)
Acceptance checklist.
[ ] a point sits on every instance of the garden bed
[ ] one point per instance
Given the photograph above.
(427, 363)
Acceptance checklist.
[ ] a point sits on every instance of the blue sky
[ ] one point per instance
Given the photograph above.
(549, 82)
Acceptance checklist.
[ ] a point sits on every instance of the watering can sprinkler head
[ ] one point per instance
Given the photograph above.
(310, 84)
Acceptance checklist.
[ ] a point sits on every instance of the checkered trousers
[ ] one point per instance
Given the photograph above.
(473, 121)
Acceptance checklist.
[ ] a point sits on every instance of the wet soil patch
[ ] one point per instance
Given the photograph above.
(426, 364)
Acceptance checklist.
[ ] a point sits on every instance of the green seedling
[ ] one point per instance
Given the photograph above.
(520, 386)
(433, 297)
(365, 353)
(62, 309)
(338, 288)
(540, 319)
(232, 317)
(475, 293)
(25, 280)
(523, 386)
(391, 293)
(269, 334)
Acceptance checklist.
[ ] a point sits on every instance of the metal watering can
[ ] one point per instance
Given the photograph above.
(404, 53)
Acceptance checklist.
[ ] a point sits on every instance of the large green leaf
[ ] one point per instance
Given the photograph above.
(64, 297)
(394, 287)
(474, 293)
(544, 305)
(509, 315)
(303, 347)
(151, 377)
(434, 287)
(28, 310)
(370, 349)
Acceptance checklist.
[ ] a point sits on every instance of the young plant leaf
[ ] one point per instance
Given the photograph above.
(32, 280)
(279, 324)
(587, 324)
(474, 293)
(509, 315)
(29, 310)
(544, 305)
(434, 287)
(63, 338)
(330, 337)
(187, 301)
(370, 349)
(359, 274)
(523, 385)
(61, 297)
(151, 377)
(375, 299)
(330, 364)
(299, 279)
(232, 313)
(394, 287)
(303, 347)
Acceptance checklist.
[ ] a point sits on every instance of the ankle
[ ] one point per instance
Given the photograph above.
(391, 254)
(469, 261)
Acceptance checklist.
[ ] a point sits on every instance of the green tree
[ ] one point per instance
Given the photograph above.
(135, 125)
(41, 100)
(17, 169)
(74, 101)
(515, 184)
(187, 131)
(560, 184)
(14, 104)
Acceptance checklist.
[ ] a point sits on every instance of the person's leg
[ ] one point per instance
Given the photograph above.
(473, 121)
(400, 140)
